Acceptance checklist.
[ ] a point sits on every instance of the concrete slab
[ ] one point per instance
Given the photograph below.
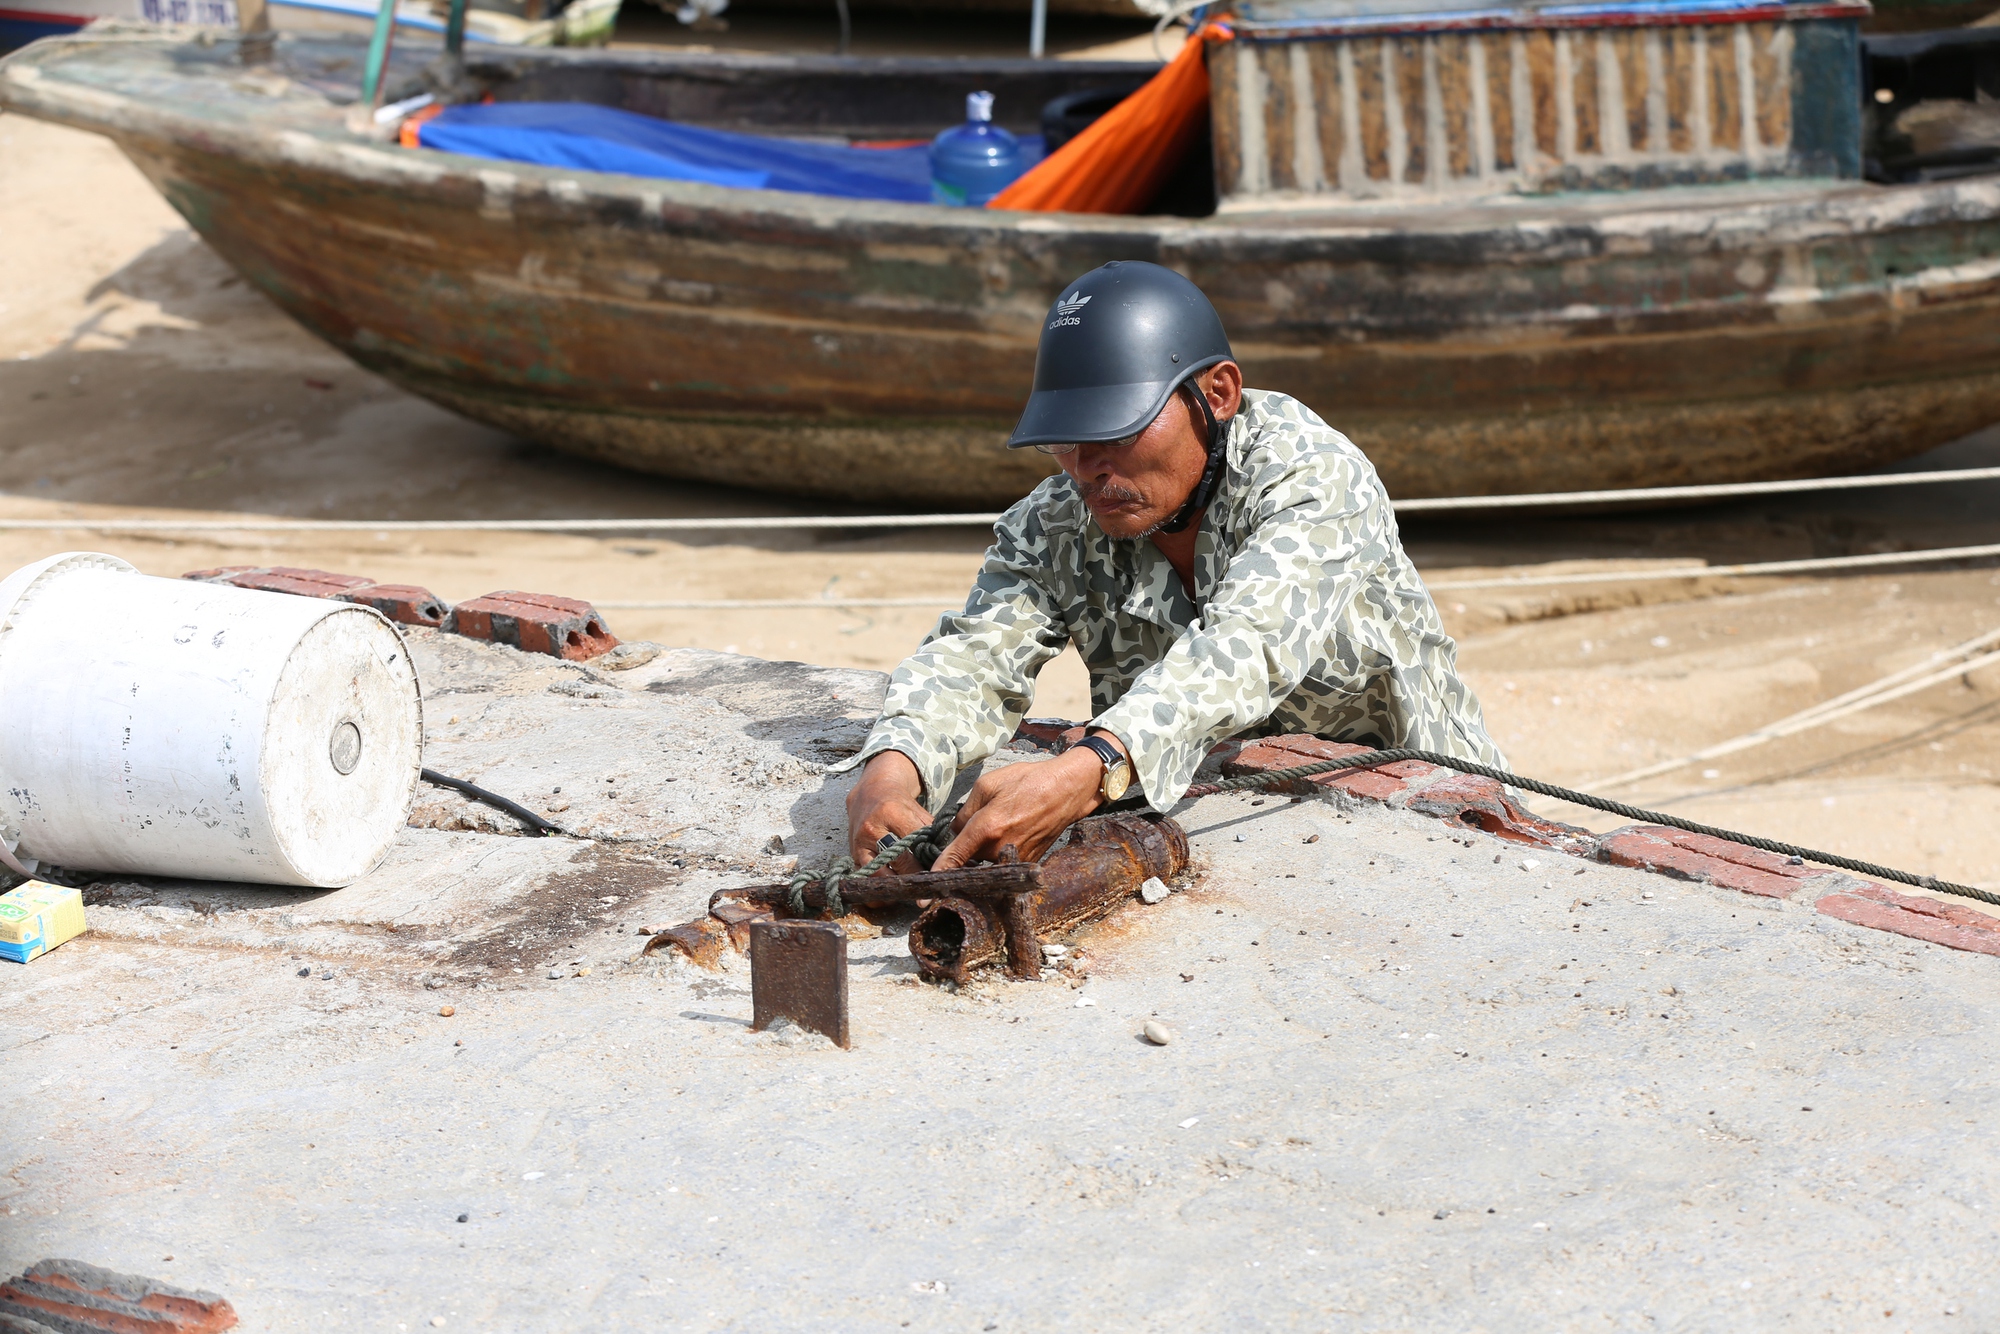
(1419, 1078)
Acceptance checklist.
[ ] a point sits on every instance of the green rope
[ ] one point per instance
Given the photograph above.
(1372, 758)
(924, 844)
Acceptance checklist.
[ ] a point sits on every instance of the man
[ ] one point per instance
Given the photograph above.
(1224, 561)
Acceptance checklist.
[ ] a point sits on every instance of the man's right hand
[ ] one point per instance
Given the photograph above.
(885, 801)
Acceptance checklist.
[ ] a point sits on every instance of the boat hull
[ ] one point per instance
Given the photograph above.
(879, 353)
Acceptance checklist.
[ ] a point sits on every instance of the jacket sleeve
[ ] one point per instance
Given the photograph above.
(965, 690)
(1319, 528)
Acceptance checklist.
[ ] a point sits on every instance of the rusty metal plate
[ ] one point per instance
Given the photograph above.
(798, 971)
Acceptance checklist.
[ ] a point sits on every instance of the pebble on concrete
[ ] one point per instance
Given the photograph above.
(555, 974)
(1157, 1033)
(447, 1011)
(1153, 890)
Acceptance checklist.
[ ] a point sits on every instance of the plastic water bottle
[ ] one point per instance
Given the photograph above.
(973, 162)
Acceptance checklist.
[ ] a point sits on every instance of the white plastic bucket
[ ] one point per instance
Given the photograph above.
(171, 727)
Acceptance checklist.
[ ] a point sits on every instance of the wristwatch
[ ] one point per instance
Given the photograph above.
(1117, 771)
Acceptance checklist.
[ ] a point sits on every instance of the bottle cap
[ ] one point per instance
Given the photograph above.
(979, 107)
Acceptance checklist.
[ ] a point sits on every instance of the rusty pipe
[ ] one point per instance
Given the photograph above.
(1104, 864)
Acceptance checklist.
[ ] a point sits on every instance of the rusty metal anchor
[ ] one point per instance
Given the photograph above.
(998, 912)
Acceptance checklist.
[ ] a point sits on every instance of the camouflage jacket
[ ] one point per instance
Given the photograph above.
(1307, 617)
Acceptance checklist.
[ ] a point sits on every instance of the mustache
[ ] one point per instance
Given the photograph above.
(1111, 491)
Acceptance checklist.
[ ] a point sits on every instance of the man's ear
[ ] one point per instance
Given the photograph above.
(1223, 385)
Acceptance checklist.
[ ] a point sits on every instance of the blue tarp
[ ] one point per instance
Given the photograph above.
(595, 138)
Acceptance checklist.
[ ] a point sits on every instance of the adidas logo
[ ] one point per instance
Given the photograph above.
(1067, 309)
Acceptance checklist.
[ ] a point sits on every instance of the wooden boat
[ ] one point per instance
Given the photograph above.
(1470, 340)
(583, 23)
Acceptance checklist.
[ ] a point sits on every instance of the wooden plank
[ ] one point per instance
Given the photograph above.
(1455, 92)
(1408, 90)
(1225, 118)
(1499, 93)
(1323, 64)
(1746, 88)
(1771, 63)
(1725, 104)
(1654, 45)
(1679, 44)
(1479, 80)
(1635, 82)
(1372, 96)
(1540, 50)
(1614, 139)
(1274, 67)
(1584, 82)
(1308, 158)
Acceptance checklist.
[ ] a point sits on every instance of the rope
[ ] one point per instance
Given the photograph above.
(750, 523)
(1713, 491)
(924, 844)
(1885, 691)
(1726, 571)
(1370, 759)
(1444, 586)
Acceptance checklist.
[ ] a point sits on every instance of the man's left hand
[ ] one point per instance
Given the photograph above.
(1028, 805)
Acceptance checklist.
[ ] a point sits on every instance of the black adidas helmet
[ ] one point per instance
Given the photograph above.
(1115, 346)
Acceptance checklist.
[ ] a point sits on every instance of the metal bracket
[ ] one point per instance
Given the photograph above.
(798, 971)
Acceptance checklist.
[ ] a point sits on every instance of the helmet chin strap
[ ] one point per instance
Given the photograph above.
(1204, 490)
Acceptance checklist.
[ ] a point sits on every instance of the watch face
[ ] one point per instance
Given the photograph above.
(1116, 779)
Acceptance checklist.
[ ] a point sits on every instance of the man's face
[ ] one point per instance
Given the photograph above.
(1133, 489)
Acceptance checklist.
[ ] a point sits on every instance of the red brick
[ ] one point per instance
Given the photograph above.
(1755, 858)
(1866, 903)
(72, 1295)
(1482, 803)
(535, 623)
(1311, 748)
(407, 603)
(1711, 861)
(284, 579)
(1267, 754)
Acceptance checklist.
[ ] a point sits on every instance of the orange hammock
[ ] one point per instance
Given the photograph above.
(1122, 158)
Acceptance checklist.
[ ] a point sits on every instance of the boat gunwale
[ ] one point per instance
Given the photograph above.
(1449, 232)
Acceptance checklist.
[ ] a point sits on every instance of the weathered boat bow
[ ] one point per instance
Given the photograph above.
(880, 351)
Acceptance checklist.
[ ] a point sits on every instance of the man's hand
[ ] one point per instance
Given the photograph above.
(885, 801)
(1027, 805)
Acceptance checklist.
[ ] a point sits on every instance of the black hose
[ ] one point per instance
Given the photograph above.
(514, 808)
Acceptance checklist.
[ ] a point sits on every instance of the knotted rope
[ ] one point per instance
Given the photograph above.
(923, 844)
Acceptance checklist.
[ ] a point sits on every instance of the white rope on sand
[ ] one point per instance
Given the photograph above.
(980, 520)
(1773, 567)
(1718, 491)
(777, 604)
(1932, 555)
(748, 523)
(1891, 687)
